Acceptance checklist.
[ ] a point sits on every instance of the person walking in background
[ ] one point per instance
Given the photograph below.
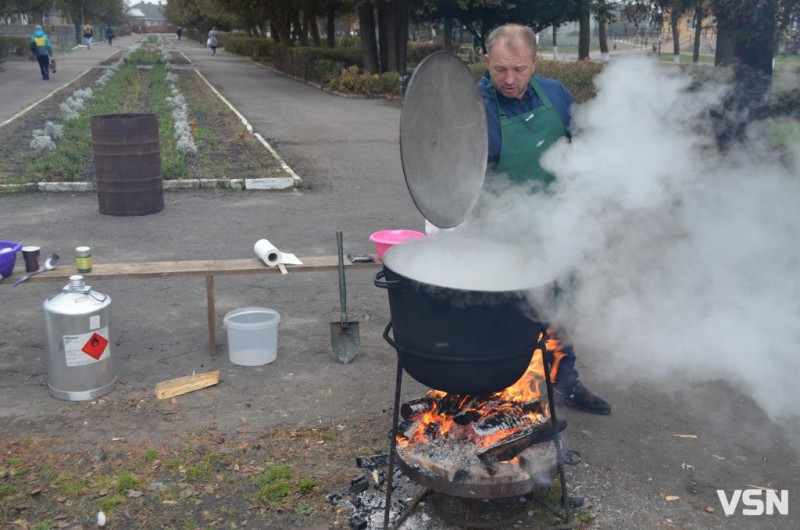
(179, 32)
(526, 115)
(88, 33)
(40, 46)
(213, 40)
(109, 34)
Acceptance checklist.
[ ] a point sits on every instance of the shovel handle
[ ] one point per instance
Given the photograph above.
(342, 286)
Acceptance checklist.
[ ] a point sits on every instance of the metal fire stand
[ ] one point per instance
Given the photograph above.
(396, 416)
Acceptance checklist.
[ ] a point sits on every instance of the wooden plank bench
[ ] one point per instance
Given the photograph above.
(174, 269)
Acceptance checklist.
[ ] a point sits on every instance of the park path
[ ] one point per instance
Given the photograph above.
(21, 85)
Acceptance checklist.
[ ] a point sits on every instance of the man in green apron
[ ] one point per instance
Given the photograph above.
(525, 116)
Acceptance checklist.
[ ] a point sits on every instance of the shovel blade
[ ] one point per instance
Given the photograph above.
(345, 341)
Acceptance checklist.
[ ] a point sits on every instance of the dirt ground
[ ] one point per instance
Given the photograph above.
(268, 445)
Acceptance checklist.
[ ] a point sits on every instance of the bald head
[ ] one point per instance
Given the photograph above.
(515, 37)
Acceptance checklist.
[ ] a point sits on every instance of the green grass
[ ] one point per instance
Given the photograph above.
(686, 58)
(145, 55)
(7, 490)
(172, 463)
(199, 473)
(104, 482)
(274, 484)
(110, 503)
(784, 133)
(306, 484)
(70, 486)
(130, 90)
(273, 474)
(46, 524)
(125, 481)
(149, 456)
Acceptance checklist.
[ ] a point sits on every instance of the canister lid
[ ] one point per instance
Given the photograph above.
(443, 139)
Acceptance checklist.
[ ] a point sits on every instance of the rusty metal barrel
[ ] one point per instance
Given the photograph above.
(127, 164)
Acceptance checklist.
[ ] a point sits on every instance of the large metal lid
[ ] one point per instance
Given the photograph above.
(443, 139)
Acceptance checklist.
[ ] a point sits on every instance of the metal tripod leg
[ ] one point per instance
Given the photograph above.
(393, 443)
(556, 437)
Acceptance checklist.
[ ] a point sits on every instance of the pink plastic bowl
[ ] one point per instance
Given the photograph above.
(384, 239)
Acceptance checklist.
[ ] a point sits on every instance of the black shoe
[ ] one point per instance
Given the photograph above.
(579, 397)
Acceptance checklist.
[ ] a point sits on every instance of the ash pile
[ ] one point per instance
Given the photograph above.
(364, 501)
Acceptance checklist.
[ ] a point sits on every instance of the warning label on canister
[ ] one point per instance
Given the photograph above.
(87, 348)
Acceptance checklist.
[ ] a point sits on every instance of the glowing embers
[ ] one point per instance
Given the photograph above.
(480, 446)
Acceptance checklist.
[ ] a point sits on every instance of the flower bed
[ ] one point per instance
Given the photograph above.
(200, 138)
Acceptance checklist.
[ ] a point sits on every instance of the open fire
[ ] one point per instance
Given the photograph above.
(503, 437)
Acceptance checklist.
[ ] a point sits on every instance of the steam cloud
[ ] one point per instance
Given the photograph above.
(687, 262)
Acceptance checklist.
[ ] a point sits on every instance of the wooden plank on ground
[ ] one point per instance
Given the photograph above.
(189, 383)
(169, 269)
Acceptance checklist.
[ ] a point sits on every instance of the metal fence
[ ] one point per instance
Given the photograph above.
(61, 36)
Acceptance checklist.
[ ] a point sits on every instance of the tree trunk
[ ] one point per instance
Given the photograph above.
(723, 55)
(383, 34)
(698, 32)
(753, 31)
(330, 26)
(369, 45)
(402, 20)
(555, 42)
(603, 39)
(448, 34)
(676, 37)
(300, 31)
(280, 27)
(311, 23)
(584, 35)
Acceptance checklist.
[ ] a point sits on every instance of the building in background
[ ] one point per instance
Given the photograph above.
(149, 18)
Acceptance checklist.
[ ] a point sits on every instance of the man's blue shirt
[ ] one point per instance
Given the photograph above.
(557, 93)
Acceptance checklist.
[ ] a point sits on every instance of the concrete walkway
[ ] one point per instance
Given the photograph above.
(21, 85)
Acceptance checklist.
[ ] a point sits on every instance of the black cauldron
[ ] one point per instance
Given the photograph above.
(459, 340)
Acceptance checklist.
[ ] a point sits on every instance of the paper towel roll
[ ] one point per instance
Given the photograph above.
(267, 252)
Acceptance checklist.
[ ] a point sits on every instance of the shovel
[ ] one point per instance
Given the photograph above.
(345, 338)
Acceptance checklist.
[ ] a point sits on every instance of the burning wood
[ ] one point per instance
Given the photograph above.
(502, 420)
(476, 443)
(512, 445)
(416, 407)
(451, 404)
(405, 430)
(533, 406)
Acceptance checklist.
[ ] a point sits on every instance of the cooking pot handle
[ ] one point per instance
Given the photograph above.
(383, 283)
(386, 336)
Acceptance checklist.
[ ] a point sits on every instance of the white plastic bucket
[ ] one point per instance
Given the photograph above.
(252, 335)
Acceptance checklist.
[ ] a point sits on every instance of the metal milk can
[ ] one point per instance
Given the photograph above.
(78, 328)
